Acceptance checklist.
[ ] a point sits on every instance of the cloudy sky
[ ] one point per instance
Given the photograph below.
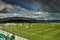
(30, 9)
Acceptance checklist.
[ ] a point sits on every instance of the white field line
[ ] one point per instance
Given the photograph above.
(16, 37)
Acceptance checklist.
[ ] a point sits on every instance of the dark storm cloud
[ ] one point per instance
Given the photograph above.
(51, 10)
(51, 6)
(5, 7)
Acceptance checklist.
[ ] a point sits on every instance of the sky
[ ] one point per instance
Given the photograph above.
(30, 9)
(27, 4)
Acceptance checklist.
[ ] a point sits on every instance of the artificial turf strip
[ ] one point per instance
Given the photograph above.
(36, 31)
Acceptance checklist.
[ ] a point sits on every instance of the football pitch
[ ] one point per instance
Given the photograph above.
(37, 31)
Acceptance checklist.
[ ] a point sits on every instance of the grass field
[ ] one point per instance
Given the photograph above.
(35, 31)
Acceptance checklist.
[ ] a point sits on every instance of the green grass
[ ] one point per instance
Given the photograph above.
(35, 31)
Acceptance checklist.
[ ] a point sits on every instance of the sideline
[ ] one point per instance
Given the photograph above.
(9, 34)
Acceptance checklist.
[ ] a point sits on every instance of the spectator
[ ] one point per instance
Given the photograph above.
(12, 37)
